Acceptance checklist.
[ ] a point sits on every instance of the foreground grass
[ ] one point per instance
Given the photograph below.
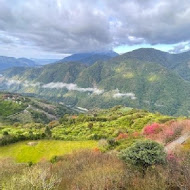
(45, 149)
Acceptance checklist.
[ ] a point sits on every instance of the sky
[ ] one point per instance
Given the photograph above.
(56, 28)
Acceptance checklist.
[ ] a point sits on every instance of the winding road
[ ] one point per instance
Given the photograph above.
(171, 146)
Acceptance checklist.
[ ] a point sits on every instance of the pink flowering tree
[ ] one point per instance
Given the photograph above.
(152, 129)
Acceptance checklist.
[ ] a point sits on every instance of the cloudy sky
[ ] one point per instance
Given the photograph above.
(54, 28)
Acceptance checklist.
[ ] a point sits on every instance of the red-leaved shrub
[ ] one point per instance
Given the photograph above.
(152, 129)
(136, 134)
(122, 136)
(171, 156)
(172, 133)
(96, 150)
(168, 132)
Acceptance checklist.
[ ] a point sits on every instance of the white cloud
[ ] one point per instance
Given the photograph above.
(120, 95)
(60, 85)
(181, 47)
(64, 26)
(10, 82)
(53, 85)
(72, 86)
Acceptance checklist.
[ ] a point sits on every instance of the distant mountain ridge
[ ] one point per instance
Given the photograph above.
(86, 58)
(144, 78)
(44, 61)
(90, 58)
(9, 62)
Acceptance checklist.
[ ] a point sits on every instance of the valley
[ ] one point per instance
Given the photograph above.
(144, 79)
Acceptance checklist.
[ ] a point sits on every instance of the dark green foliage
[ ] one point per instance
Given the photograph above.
(5, 133)
(90, 125)
(54, 159)
(144, 154)
(30, 164)
(48, 132)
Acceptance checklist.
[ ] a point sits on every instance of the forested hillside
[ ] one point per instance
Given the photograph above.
(15, 108)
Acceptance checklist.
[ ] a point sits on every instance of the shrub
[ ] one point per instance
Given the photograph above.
(88, 170)
(136, 134)
(36, 177)
(171, 156)
(112, 143)
(16, 124)
(53, 123)
(144, 153)
(122, 136)
(5, 133)
(172, 134)
(166, 133)
(152, 129)
(48, 131)
(92, 170)
(179, 170)
(90, 125)
(103, 144)
(54, 159)
(96, 150)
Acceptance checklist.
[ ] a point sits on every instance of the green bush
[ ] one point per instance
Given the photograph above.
(144, 153)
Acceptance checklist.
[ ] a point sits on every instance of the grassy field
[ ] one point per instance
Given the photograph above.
(45, 149)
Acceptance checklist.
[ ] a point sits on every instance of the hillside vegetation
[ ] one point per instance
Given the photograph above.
(113, 125)
(16, 108)
(119, 157)
(118, 148)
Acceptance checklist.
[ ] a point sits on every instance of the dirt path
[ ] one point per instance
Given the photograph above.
(177, 142)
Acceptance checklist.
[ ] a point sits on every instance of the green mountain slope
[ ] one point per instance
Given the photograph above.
(155, 87)
(145, 78)
(17, 108)
(180, 63)
(59, 72)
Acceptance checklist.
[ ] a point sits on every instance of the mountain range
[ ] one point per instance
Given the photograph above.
(10, 62)
(85, 58)
(44, 61)
(90, 58)
(144, 78)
